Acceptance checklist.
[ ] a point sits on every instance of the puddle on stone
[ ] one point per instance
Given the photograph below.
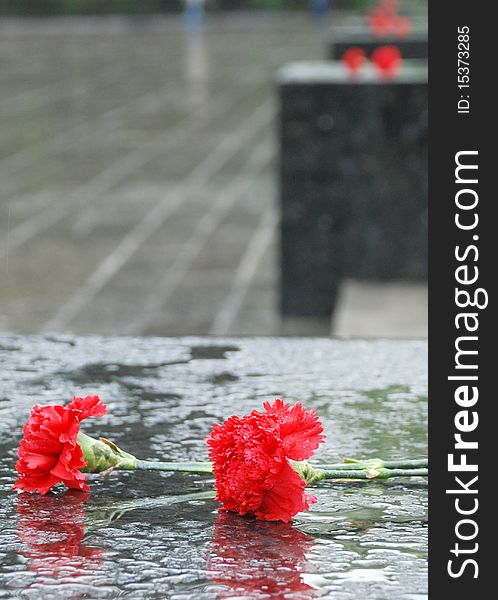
(107, 372)
(221, 378)
(212, 352)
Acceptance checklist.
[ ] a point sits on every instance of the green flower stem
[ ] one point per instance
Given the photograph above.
(350, 464)
(347, 470)
(205, 467)
(202, 468)
(103, 456)
(310, 473)
(380, 473)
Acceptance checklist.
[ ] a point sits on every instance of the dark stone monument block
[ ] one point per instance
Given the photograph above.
(353, 180)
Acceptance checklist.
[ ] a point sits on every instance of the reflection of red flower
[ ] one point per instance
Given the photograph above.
(254, 559)
(387, 59)
(49, 452)
(250, 460)
(51, 529)
(353, 58)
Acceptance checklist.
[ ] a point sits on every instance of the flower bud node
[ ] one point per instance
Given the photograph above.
(102, 455)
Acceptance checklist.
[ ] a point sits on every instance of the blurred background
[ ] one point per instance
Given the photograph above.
(140, 187)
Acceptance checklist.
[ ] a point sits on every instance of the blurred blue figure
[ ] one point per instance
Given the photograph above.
(319, 8)
(193, 14)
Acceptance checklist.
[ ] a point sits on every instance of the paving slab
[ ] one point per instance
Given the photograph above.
(135, 161)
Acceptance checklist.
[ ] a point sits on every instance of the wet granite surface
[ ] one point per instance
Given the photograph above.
(139, 535)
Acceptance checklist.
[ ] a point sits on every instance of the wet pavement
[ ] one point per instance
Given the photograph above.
(138, 535)
(138, 192)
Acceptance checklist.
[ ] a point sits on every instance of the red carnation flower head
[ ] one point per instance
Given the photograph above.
(401, 26)
(383, 19)
(251, 460)
(353, 58)
(387, 59)
(380, 24)
(49, 452)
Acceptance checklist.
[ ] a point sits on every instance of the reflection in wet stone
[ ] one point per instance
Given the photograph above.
(212, 352)
(51, 530)
(255, 559)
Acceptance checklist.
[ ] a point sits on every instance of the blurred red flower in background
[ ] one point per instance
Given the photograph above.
(380, 24)
(51, 530)
(250, 456)
(387, 59)
(401, 26)
(353, 58)
(384, 21)
(254, 559)
(49, 452)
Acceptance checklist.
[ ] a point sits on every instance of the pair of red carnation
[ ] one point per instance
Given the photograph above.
(250, 455)
(386, 58)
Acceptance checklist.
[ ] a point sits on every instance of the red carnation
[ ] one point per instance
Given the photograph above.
(49, 452)
(401, 26)
(380, 24)
(387, 59)
(353, 58)
(250, 456)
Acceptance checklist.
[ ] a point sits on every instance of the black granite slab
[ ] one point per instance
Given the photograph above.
(353, 180)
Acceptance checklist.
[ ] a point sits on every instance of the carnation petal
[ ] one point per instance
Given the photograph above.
(310, 499)
(39, 461)
(300, 429)
(42, 484)
(77, 485)
(62, 471)
(89, 406)
(286, 497)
